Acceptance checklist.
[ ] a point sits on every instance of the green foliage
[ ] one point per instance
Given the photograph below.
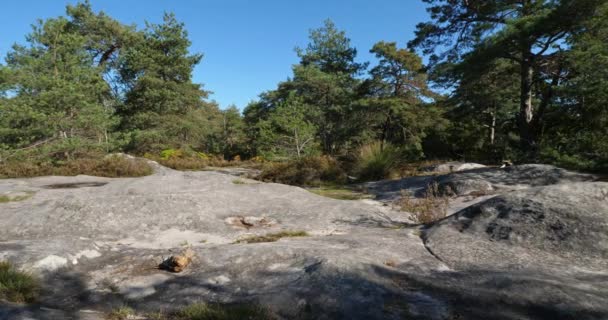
(232, 137)
(204, 311)
(323, 87)
(307, 171)
(86, 83)
(17, 286)
(171, 154)
(121, 313)
(329, 50)
(288, 132)
(163, 108)
(376, 161)
(526, 81)
(533, 35)
(577, 128)
(13, 198)
(58, 92)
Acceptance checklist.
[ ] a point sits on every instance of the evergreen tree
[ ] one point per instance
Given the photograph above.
(163, 107)
(532, 33)
(394, 109)
(56, 93)
(233, 133)
(288, 131)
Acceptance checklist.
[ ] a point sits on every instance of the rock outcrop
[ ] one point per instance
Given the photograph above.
(536, 248)
(560, 226)
(452, 167)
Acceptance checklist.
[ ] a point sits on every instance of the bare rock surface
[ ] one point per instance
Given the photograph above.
(453, 167)
(534, 251)
(563, 226)
(481, 180)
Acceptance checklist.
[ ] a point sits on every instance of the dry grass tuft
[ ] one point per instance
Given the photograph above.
(390, 263)
(377, 161)
(191, 163)
(430, 208)
(272, 237)
(340, 193)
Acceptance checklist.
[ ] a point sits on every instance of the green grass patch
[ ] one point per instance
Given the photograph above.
(340, 193)
(238, 181)
(272, 237)
(204, 311)
(17, 286)
(20, 197)
(122, 313)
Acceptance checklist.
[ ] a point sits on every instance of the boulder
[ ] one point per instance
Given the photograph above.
(560, 226)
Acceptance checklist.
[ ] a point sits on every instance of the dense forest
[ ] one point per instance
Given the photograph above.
(518, 80)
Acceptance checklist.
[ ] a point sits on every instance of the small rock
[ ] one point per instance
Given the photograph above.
(179, 262)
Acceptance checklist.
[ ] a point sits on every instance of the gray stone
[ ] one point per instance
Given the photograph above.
(452, 167)
(561, 226)
(361, 260)
(465, 187)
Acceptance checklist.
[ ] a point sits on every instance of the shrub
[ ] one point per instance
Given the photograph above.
(376, 161)
(308, 171)
(109, 166)
(204, 311)
(191, 163)
(182, 159)
(431, 207)
(16, 286)
(122, 313)
(171, 154)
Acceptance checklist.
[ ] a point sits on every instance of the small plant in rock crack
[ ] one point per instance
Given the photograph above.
(17, 286)
(272, 237)
(431, 207)
(121, 313)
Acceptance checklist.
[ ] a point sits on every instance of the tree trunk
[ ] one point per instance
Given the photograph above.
(526, 111)
(492, 126)
(295, 131)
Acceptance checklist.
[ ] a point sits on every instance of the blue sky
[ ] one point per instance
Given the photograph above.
(248, 44)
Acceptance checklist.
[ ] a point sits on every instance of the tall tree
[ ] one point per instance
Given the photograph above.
(288, 131)
(57, 92)
(330, 51)
(532, 33)
(233, 133)
(163, 107)
(394, 106)
(326, 80)
(577, 126)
